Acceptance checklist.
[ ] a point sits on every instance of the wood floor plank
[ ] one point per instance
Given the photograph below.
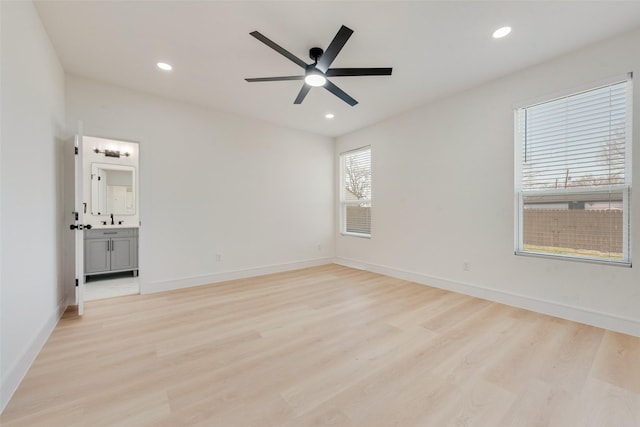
(325, 346)
(606, 405)
(538, 406)
(569, 366)
(618, 361)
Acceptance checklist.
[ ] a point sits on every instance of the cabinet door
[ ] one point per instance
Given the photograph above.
(97, 255)
(123, 253)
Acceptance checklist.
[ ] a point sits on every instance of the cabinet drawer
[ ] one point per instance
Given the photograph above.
(101, 233)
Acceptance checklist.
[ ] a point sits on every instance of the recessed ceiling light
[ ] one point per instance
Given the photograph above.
(501, 32)
(329, 115)
(164, 66)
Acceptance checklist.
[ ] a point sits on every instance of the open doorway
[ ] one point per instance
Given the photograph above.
(111, 215)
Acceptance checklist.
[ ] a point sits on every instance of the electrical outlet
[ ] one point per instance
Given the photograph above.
(218, 257)
(319, 248)
(466, 266)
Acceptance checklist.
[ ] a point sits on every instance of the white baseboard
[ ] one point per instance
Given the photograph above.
(552, 308)
(14, 375)
(187, 282)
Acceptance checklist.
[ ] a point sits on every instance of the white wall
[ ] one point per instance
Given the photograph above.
(443, 194)
(32, 295)
(213, 183)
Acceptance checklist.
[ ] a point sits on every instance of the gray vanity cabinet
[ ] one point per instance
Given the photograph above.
(110, 250)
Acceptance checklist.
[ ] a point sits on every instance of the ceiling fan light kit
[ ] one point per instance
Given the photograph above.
(317, 72)
(315, 79)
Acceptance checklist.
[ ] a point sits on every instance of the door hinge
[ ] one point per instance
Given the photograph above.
(75, 149)
(77, 282)
(75, 215)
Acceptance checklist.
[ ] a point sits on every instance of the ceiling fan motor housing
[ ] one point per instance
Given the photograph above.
(315, 53)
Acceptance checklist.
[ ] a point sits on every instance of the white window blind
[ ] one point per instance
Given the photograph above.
(576, 141)
(573, 175)
(355, 194)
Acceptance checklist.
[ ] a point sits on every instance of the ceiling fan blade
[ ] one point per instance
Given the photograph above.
(282, 51)
(344, 72)
(274, 79)
(334, 48)
(340, 93)
(303, 92)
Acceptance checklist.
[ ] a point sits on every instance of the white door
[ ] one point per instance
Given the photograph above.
(74, 217)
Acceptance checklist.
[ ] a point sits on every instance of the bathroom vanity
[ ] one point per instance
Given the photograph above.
(110, 250)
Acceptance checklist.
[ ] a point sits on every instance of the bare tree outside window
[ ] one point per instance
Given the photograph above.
(358, 178)
(613, 156)
(355, 196)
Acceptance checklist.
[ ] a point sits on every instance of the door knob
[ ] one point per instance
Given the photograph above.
(80, 227)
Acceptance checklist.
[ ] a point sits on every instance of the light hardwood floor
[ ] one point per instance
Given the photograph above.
(326, 346)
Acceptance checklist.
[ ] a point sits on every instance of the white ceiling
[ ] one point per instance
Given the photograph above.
(435, 49)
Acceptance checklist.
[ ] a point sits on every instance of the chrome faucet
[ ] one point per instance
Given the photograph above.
(112, 223)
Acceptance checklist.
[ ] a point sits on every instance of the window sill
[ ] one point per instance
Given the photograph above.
(362, 236)
(575, 259)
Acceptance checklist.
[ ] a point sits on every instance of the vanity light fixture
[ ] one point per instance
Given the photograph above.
(111, 153)
(329, 115)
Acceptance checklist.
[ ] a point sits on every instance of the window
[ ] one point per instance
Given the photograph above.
(573, 178)
(355, 193)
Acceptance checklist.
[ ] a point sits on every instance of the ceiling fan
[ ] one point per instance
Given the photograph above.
(316, 73)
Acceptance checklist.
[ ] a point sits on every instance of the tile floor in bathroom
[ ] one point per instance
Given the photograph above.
(109, 286)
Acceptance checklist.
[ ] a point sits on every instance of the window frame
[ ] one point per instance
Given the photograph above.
(625, 188)
(343, 202)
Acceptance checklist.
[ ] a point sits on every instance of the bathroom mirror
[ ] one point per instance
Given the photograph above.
(113, 189)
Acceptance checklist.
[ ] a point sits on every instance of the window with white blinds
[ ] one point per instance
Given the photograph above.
(573, 177)
(355, 192)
